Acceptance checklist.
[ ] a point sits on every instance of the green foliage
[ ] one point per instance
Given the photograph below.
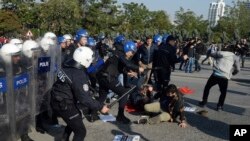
(102, 17)
(60, 16)
(9, 23)
(192, 24)
(28, 14)
(235, 22)
(133, 19)
(160, 20)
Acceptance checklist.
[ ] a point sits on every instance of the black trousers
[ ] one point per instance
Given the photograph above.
(116, 87)
(222, 82)
(73, 119)
(196, 62)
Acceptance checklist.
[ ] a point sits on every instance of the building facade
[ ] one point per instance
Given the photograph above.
(216, 11)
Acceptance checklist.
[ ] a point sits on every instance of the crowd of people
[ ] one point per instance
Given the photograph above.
(140, 70)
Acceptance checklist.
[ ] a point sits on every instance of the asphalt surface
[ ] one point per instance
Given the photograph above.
(213, 127)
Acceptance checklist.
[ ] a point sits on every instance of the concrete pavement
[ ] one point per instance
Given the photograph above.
(214, 127)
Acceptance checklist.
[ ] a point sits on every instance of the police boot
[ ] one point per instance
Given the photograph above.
(121, 117)
(203, 103)
(94, 116)
(26, 137)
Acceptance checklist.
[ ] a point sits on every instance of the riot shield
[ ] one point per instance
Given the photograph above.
(5, 132)
(22, 88)
(58, 60)
(16, 96)
(44, 66)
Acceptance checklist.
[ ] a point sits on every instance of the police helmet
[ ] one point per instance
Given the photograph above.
(84, 56)
(101, 36)
(61, 39)
(7, 50)
(81, 33)
(129, 46)
(68, 37)
(28, 47)
(46, 43)
(50, 35)
(91, 42)
(157, 38)
(119, 39)
(17, 42)
(164, 38)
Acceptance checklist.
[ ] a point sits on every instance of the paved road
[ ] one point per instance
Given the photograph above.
(214, 127)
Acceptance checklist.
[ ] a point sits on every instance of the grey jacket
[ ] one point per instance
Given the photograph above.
(225, 64)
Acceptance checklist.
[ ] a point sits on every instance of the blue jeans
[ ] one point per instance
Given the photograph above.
(189, 65)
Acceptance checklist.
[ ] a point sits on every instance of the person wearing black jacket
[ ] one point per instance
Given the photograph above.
(170, 106)
(108, 79)
(241, 50)
(72, 90)
(80, 40)
(144, 96)
(145, 56)
(191, 56)
(199, 50)
(166, 59)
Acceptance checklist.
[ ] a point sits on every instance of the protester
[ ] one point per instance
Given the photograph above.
(226, 64)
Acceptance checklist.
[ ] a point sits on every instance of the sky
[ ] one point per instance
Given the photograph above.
(200, 7)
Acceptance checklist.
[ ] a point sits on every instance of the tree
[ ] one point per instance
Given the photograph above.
(160, 20)
(9, 23)
(101, 16)
(60, 16)
(190, 22)
(237, 19)
(28, 14)
(136, 17)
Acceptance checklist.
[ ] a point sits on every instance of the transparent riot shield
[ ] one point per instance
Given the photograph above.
(15, 92)
(22, 90)
(5, 110)
(58, 60)
(43, 81)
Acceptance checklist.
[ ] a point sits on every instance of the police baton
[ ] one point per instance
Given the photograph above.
(117, 100)
(148, 69)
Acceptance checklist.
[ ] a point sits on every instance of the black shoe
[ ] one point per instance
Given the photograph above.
(202, 103)
(199, 69)
(26, 137)
(122, 119)
(219, 108)
(108, 100)
(142, 121)
(94, 117)
(40, 129)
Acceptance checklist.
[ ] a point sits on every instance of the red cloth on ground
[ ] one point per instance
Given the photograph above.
(185, 90)
(130, 108)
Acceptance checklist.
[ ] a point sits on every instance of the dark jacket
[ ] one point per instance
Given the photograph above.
(67, 53)
(174, 106)
(139, 100)
(243, 50)
(166, 58)
(146, 55)
(72, 87)
(109, 70)
(119, 51)
(125, 66)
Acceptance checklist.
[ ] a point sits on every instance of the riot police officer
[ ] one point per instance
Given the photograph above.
(108, 79)
(118, 45)
(80, 40)
(11, 54)
(166, 58)
(72, 89)
(82, 37)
